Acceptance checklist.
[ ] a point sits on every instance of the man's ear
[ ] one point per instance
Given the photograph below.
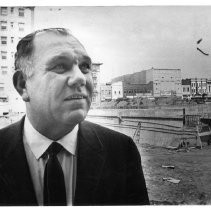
(19, 82)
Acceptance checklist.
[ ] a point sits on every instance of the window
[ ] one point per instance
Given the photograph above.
(21, 12)
(183, 89)
(4, 70)
(3, 25)
(1, 89)
(188, 89)
(12, 10)
(119, 92)
(21, 26)
(3, 54)
(3, 10)
(12, 39)
(12, 24)
(12, 54)
(3, 40)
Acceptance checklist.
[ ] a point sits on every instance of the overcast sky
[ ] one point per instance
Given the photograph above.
(131, 39)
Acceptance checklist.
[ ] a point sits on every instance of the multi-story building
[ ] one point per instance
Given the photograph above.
(153, 82)
(15, 22)
(186, 88)
(105, 92)
(166, 82)
(96, 83)
(198, 86)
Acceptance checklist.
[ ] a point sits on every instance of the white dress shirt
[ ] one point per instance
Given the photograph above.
(36, 144)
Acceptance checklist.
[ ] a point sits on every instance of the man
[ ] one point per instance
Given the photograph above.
(52, 156)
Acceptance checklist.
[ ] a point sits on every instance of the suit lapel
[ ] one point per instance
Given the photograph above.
(90, 161)
(15, 170)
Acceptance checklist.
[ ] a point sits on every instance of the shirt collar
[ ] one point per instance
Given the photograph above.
(39, 143)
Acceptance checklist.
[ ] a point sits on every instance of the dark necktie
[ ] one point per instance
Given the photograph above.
(54, 185)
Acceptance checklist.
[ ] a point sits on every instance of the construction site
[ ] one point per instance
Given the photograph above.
(175, 151)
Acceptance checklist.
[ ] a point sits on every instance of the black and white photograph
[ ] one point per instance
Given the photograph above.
(105, 105)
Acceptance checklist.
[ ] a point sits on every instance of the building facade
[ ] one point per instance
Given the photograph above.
(152, 82)
(209, 88)
(96, 83)
(186, 88)
(198, 86)
(105, 92)
(15, 23)
(166, 82)
(135, 90)
(117, 90)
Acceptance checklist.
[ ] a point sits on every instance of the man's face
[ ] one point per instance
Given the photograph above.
(60, 88)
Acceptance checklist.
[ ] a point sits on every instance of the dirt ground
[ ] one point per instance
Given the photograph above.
(192, 168)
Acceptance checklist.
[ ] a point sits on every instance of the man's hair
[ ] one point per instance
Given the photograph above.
(23, 61)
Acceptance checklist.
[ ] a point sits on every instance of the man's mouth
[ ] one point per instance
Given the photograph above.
(78, 96)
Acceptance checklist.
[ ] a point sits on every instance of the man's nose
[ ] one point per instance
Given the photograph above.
(76, 77)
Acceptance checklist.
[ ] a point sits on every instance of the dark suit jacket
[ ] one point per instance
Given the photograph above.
(109, 168)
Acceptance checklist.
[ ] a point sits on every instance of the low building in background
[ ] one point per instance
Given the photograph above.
(136, 90)
(198, 86)
(157, 82)
(186, 88)
(105, 92)
(117, 90)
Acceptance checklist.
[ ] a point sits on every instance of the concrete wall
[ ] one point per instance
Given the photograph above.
(171, 111)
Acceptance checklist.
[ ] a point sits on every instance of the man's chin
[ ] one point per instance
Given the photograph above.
(76, 116)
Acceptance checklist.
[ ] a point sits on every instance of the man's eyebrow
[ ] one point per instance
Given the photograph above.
(86, 58)
(62, 57)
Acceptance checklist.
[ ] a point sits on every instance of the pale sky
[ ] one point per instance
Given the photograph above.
(130, 39)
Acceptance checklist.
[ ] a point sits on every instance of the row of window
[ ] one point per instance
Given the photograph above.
(186, 89)
(4, 55)
(115, 92)
(106, 91)
(5, 11)
(4, 26)
(198, 84)
(4, 40)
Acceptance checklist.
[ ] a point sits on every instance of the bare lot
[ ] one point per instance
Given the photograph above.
(192, 168)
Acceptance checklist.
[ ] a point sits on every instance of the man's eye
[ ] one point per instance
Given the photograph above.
(60, 68)
(85, 67)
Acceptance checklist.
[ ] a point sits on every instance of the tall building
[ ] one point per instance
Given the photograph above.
(96, 83)
(15, 23)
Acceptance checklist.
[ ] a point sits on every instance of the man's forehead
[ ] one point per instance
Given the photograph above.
(51, 39)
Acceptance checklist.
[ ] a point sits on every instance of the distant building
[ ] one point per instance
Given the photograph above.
(137, 90)
(117, 90)
(105, 92)
(166, 82)
(15, 23)
(198, 86)
(209, 88)
(157, 82)
(186, 88)
(96, 83)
